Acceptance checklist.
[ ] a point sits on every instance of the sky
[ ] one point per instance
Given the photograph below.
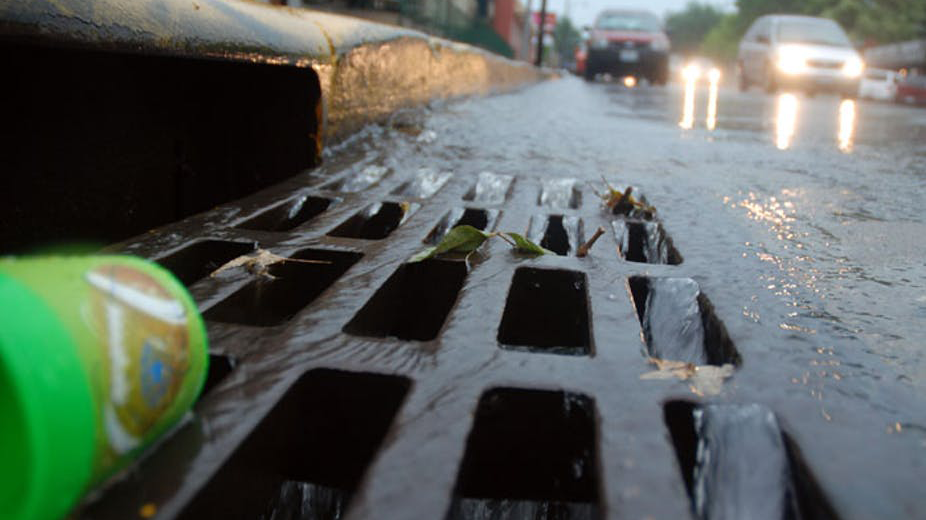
(583, 12)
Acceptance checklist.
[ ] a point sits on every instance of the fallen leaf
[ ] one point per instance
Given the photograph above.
(526, 246)
(259, 263)
(148, 510)
(705, 380)
(461, 239)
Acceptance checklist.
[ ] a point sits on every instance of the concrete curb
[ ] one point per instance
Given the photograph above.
(366, 70)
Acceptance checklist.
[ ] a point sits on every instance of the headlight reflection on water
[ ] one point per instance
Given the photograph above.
(691, 75)
(846, 124)
(785, 120)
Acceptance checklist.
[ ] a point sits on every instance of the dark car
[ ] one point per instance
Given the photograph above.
(628, 43)
(911, 89)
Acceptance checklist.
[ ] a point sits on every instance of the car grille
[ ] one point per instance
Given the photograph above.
(627, 45)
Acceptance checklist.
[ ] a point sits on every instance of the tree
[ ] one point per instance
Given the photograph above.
(689, 27)
(565, 37)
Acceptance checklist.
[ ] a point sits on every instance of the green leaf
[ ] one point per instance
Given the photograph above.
(526, 246)
(461, 239)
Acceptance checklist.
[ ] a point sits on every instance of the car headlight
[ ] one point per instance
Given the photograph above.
(853, 67)
(659, 45)
(598, 43)
(791, 60)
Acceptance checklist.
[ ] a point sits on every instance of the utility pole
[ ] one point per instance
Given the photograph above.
(543, 21)
(526, 35)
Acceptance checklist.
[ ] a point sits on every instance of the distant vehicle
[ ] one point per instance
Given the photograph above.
(911, 89)
(799, 52)
(628, 43)
(878, 84)
(581, 56)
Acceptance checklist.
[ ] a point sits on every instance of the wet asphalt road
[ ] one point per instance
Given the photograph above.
(801, 218)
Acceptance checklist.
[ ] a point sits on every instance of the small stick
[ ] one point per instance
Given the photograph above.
(584, 248)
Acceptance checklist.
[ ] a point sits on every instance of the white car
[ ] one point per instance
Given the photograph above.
(878, 84)
(799, 52)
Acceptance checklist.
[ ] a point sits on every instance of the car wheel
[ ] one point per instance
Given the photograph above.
(589, 73)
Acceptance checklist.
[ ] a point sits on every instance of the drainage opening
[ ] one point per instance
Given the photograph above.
(490, 188)
(287, 216)
(220, 366)
(413, 303)
(375, 222)
(425, 184)
(645, 242)
(481, 219)
(546, 311)
(555, 238)
(267, 301)
(199, 259)
(560, 194)
(737, 463)
(530, 454)
(307, 457)
(679, 323)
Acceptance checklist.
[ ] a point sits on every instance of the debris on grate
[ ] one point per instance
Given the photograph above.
(197, 260)
(414, 302)
(737, 463)
(289, 215)
(426, 183)
(481, 219)
(490, 188)
(558, 233)
(375, 222)
(529, 451)
(560, 194)
(546, 311)
(220, 365)
(366, 178)
(269, 301)
(679, 323)
(625, 201)
(646, 242)
(315, 446)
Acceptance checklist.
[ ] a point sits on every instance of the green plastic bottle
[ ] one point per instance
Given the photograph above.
(99, 355)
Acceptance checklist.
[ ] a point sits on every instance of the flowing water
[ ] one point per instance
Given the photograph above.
(672, 321)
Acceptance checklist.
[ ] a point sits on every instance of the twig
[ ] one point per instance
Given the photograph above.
(584, 248)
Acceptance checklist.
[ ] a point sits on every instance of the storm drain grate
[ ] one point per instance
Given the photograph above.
(492, 429)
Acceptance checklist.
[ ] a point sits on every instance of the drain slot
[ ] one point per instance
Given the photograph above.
(267, 301)
(425, 184)
(679, 322)
(490, 188)
(555, 238)
(558, 233)
(199, 259)
(645, 242)
(375, 222)
(546, 311)
(481, 219)
(220, 366)
(560, 194)
(737, 463)
(287, 216)
(530, 454)
(413, 303)
(310, 452)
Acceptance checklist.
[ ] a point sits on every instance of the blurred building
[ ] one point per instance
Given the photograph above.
(496, 25)
(910, 55)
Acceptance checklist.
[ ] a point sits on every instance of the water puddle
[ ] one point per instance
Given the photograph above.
(308, 455)
(481, 219)
(490, 188)
(679, 322)
(546, 311)
(558, 233)
(289, 215)
(375, 222)
(645, 242)
(530, 454)
(737, 463)
(414, 302)
(560, 194)
(197, 260)
(425, 184)
(272, 300)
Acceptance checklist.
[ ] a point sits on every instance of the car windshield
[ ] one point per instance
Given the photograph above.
(628, 21)
(812, 31)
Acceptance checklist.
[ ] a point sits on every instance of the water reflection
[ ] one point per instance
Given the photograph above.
(713, 78)
(690, 74)
(785, 120)
(846, 124)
